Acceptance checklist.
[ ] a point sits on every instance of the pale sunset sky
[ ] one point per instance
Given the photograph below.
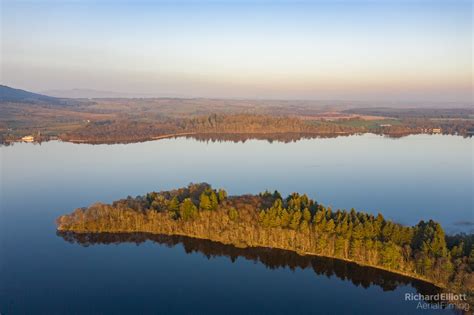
(354, 50)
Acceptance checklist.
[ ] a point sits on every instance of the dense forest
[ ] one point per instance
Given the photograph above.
(268, 127)
(217, 125)
(294, 223)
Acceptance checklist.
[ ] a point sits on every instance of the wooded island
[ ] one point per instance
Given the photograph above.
(296, 223)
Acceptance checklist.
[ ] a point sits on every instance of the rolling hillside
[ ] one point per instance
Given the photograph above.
(8, 94)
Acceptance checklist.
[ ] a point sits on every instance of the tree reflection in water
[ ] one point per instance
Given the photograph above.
(271, 258)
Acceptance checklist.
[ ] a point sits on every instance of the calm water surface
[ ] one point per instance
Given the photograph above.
(407, 179)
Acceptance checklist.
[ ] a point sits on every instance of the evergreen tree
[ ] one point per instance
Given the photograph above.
(295, 220)
(222, 195)
(173, 207)
(188, 210)
(276, 195)
(457, 250)
(356, 241)
(213, 200)
(339, 246)
(307, 215)
(204, 202)
(304, 226)
(391, 256)
(285, 218)
(330, 227)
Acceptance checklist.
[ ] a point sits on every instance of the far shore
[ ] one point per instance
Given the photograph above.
(228, 136)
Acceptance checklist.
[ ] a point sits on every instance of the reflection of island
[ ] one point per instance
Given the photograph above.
(284, 137)
(271, 258)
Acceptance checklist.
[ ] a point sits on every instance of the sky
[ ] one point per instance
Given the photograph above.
(347, 50)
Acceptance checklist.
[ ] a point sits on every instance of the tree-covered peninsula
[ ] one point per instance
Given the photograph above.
(296, 223)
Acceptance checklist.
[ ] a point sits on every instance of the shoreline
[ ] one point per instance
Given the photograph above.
(234, 136)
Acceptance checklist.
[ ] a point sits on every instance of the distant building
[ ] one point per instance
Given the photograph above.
(431, 130)
(385, 125)
(28, 139)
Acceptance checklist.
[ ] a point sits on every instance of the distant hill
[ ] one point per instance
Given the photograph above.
(90, 93)
(8, 94)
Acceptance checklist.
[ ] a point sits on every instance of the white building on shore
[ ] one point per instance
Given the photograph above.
(27, 139)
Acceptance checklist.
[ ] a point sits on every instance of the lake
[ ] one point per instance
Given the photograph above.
(407, 179)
